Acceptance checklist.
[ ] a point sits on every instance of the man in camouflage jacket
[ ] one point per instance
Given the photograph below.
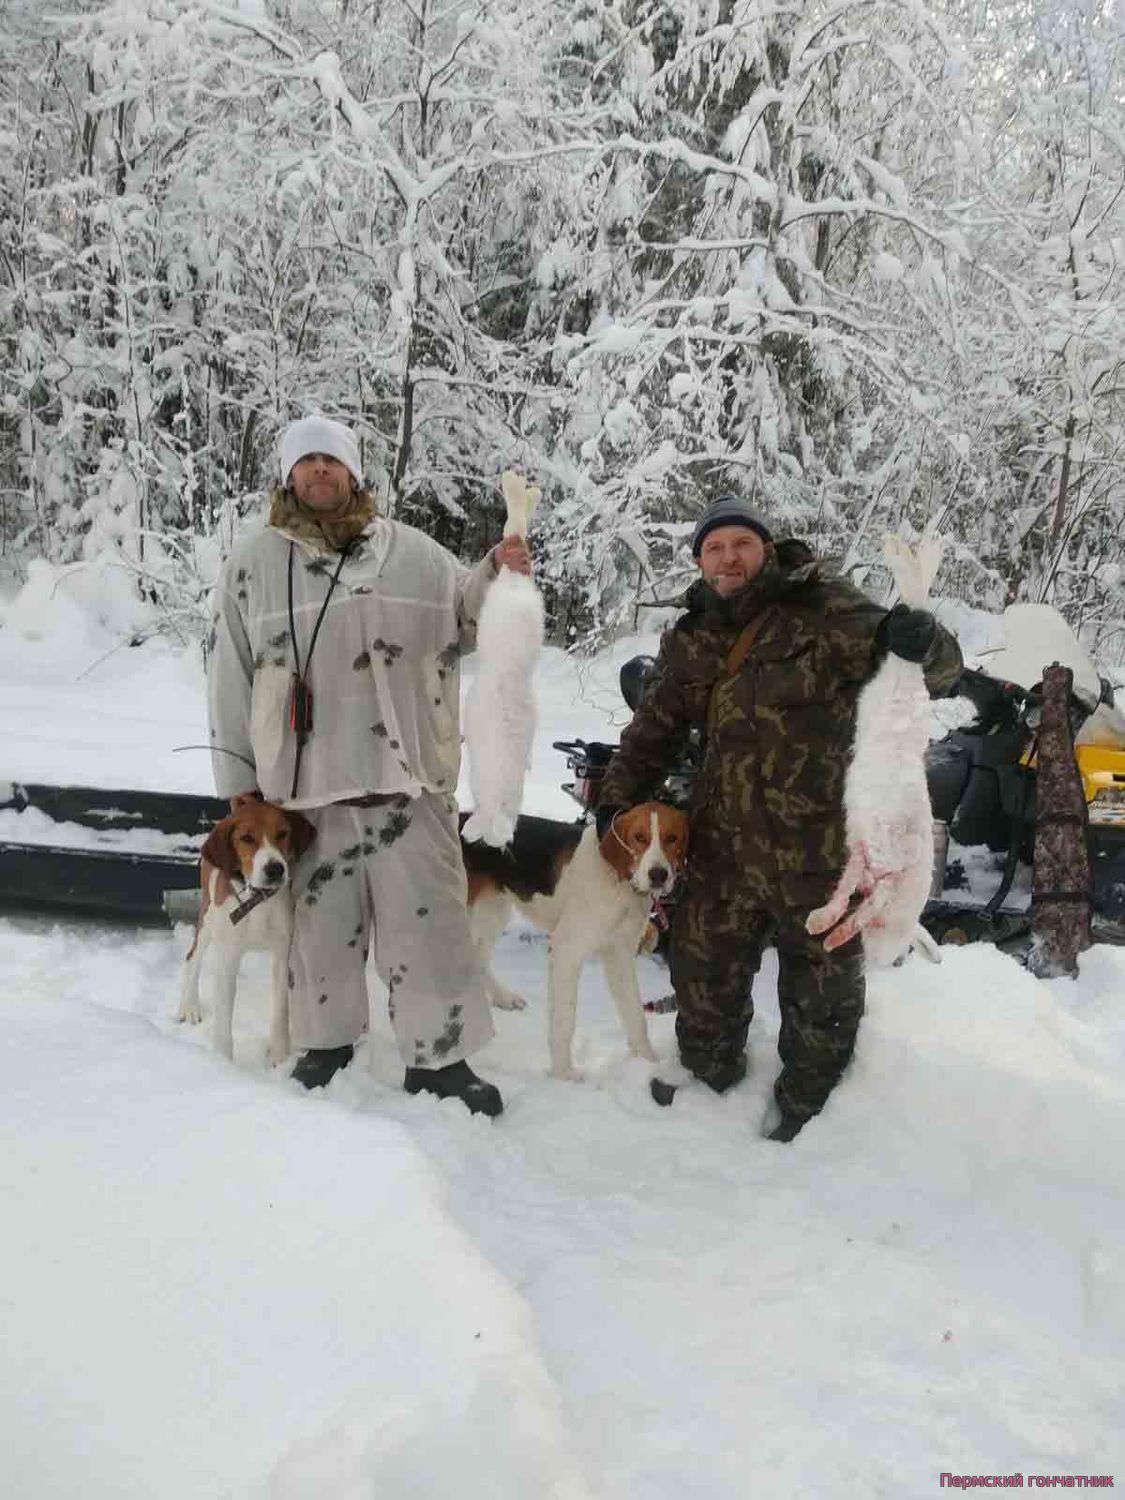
(767, 811)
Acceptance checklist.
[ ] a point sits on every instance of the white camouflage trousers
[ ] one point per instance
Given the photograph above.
(391, 875)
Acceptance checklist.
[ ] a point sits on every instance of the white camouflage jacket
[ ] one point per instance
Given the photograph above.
(384, 674)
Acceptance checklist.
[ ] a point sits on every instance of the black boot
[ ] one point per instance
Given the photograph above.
(662, 1093)
(722, 1079)
(457, 1081)
(316, 1066)
(786, 1129)
(727, 1076)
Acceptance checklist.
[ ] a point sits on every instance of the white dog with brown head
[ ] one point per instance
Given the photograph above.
(245, 871)
(592, 896)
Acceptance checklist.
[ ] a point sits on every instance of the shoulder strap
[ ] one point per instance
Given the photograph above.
(745, 644)
(736, 656)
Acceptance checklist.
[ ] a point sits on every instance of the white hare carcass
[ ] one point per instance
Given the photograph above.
(887, 805)
(500, 711)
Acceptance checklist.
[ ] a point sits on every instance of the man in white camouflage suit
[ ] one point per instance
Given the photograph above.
(333, 688)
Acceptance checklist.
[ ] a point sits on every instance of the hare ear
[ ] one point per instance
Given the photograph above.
(219, 848)
(302, 830)
(913, 568)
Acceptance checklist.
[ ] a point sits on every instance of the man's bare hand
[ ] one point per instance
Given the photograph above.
(512, 552)
(243, 798)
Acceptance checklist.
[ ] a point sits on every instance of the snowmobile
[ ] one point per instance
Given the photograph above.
(981, 779)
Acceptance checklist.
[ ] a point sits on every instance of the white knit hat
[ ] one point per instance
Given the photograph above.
(319, 435)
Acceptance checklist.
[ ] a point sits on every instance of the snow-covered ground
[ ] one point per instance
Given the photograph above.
(215, 1285)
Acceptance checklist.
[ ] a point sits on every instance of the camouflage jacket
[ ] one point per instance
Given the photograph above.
(767, 808)
(384, 677)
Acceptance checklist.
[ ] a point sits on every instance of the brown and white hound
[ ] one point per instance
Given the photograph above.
(247, 857)
(593, 897)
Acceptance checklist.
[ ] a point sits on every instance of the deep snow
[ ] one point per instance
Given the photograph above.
(216, 1285)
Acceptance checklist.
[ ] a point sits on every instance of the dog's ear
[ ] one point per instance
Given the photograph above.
(613, 847)
(219, 848)
(673, 821)
(302, 830)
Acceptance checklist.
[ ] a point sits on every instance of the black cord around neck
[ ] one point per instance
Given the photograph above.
(301, 680)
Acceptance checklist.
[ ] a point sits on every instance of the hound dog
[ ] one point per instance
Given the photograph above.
(591, 896)
(248, 857)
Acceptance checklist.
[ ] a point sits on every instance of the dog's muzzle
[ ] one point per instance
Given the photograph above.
(659, 879)
(272, 873)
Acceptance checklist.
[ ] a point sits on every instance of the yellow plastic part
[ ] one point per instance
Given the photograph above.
(1094, 758)
(1103, 770)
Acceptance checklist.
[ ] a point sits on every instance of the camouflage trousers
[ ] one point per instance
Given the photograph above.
(717, 945)
(390, 878)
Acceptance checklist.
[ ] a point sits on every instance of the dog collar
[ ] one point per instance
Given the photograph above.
(244, 905)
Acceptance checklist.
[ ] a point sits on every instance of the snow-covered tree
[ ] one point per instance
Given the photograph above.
(859, 260)
(268, 217)
(754, 238)
(1046, 215)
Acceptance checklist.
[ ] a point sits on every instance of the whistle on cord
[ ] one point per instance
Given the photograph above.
(300, 706)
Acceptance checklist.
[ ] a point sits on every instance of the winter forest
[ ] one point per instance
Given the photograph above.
(864, 262)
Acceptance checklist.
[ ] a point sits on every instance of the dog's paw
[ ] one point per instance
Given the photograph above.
(191, 1015)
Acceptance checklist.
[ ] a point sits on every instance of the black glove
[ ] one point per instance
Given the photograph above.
(909, 633)
(604, 816)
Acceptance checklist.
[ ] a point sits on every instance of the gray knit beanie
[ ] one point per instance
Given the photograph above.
(728, 511)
